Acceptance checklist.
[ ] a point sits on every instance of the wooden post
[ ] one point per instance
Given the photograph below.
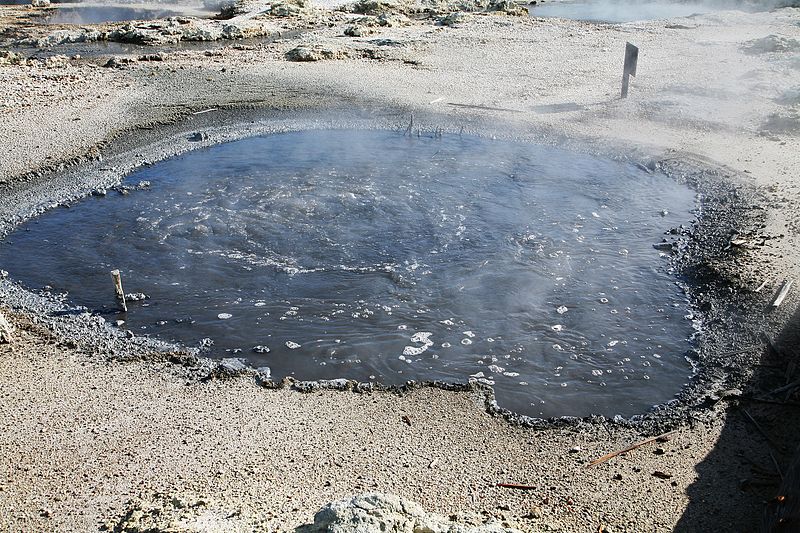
(787, 284)
(5, 330)
(118, 288)
(631, 58)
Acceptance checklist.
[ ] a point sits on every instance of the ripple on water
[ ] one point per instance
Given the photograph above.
(373, 256)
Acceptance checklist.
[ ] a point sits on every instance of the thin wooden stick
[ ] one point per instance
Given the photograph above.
(115, 275)
(633, 446)
(773, 402)
(790, 386)
(764, 434)
(787, 284)
(777, 468)
(515, 486)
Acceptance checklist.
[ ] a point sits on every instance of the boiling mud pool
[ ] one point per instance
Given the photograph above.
(617, 11)
(373, 256)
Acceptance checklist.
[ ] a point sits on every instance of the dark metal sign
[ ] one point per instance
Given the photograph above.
(631, 58)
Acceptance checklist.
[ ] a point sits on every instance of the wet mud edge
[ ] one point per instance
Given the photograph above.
(714, 275)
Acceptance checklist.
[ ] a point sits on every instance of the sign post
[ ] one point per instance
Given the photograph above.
(631, 58)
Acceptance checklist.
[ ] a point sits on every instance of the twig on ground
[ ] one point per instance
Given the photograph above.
(515, 486)
(633, 446)
(774, 402)
(775, 462)
(770, 440)
(791, 386)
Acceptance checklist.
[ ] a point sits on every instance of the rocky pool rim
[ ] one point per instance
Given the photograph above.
(726, 200)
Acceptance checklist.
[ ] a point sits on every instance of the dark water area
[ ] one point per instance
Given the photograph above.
(619, 12)
(96, 14)
(372, 256)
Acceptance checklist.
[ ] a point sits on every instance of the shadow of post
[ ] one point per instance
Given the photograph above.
(760, 436)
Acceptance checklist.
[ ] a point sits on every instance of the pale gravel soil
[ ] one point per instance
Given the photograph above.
(79, 437)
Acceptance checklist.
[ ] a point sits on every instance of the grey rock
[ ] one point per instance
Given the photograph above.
(232, 366)
(387, 513)
(118, 62)
(453, 19)
(315, 52)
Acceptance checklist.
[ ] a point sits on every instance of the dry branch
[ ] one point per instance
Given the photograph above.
(633, 446)
(515, 486)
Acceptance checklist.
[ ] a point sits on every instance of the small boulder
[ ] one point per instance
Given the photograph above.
(315, 52)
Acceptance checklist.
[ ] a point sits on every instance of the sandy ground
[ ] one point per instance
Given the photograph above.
(81, 437)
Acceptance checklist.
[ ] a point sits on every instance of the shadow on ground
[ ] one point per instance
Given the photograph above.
(761, 434)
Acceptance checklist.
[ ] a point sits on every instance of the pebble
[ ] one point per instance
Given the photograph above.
(224, 316)
(261, 349)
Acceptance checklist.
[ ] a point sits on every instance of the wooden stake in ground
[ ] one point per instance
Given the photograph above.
(783, 293)
(629, 69)
(118, 288)
(5, 330)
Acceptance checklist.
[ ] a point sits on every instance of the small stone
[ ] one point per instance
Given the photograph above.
(315, 52)
(224, 316)
(659, 451)
(292, 345)
(575, 449)
(536, 512)
(617, 477)
(261, 349)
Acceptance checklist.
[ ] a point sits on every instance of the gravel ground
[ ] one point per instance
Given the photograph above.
(84, 430)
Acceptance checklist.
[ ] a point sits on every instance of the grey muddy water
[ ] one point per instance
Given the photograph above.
(375, 256)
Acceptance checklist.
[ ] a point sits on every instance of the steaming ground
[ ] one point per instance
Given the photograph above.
(81, 436)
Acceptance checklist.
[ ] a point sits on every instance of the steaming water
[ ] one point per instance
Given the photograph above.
(99, 12)
(617, 12)
(373, 256)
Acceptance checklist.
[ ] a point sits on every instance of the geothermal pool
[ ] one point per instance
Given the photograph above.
(615, 11)
(92, 12)
(375, 256)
